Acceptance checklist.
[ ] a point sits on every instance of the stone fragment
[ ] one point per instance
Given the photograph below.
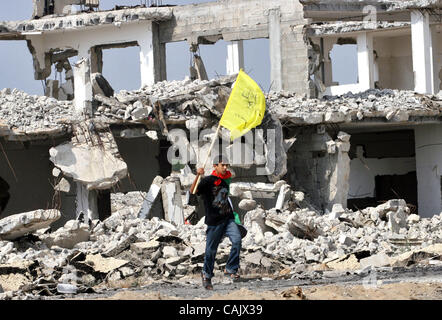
(152, 135)
(247, 205)
(126, 272)
(397, 220)
(413, 218)
(140, 112)
(170, 252)
(345, 240)
(63, 186)
(254, 258)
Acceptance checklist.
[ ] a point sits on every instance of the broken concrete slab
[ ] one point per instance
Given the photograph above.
(347, 262)
(172, 202)
(68, 236)
(102, 264)
(18, 225)
(92, 166)
(112, 249)
(143, 247)
(397, 220)
(412, 256)
(152, 205)
(283, 197)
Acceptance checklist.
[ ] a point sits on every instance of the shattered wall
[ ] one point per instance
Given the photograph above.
(25, 166)
(319, 165)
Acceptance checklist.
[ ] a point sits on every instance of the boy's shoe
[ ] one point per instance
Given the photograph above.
(234, 276)
(207, 283)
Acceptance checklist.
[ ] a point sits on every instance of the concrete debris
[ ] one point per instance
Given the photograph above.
(152, 200)
(172, 201)
(66, 288)
(102, 264)
(185, 100)
(124, 246)
(18, 225)
(63, 186)
(22, 113)
(91, 158)
(393, 105)
(68, 236)
(377, 260)
(352, 26)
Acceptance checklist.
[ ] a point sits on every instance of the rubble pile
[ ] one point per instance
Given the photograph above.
(80, 257)
(27, 113)
(394, 105)
(183, 99)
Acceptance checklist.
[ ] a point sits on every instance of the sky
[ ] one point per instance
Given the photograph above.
(121, 66)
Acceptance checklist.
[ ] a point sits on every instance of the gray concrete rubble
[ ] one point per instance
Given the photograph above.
(125, 246)
(18, 225)
(387, 104)
(24, 114)
(88, 20)
(91, 158)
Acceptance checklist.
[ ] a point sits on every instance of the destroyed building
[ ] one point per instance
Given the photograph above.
(352, 146)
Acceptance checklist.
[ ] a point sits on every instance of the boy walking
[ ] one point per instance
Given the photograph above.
(220, 220)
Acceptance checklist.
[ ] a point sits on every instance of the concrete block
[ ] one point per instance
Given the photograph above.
(172, 202)
(283, 197)
(345, 137)
(247, 205)
(334, 117)
(92, 165)
(345, 240)
(68, 236)
(378, 260)
(170, 252)
(397, 220)
(18, 225)
(63, 186)
(142, 247)
(152, 198)
(413, 218)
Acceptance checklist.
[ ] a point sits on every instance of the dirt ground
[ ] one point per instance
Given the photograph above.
(392, 291)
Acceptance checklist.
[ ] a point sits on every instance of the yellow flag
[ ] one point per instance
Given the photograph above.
(245, 107)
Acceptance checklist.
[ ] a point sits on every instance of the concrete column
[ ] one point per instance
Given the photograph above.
(275, 49)
(86, 202)
(96, 60)
(365, 61)
(428, 140)
(235, 57)
(159, 54)
(147, 68)
(82, 82)
(152, 57)
(422, 50)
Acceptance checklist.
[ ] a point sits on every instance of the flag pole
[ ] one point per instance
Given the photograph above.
(208, 156)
